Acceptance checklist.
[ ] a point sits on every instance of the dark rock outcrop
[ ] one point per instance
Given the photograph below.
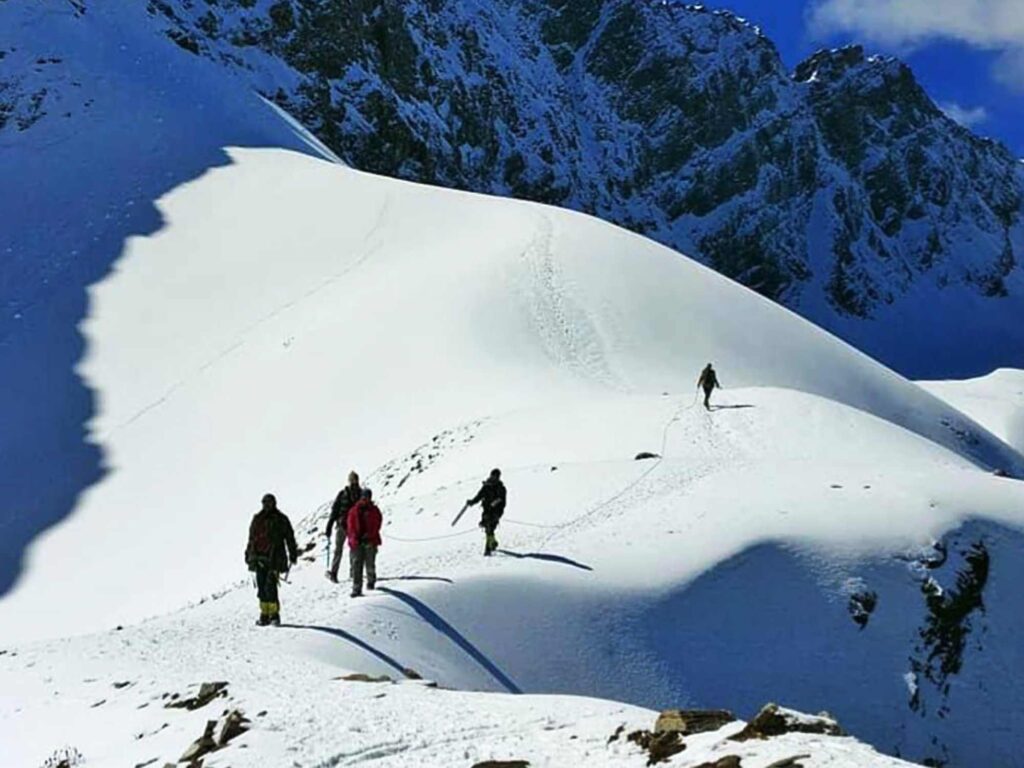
(659, 746)
(729, 761)
(688, 722)
(207, 693)
(773, 720)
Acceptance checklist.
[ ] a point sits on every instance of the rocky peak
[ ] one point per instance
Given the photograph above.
(829, 64)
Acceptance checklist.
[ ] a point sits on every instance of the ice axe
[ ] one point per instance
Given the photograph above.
(461, 513)
(327, 563)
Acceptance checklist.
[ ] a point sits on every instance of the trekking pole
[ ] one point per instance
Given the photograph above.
(327, 563)
(461, 513)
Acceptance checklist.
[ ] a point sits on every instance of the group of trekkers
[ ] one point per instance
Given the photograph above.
(356, 521)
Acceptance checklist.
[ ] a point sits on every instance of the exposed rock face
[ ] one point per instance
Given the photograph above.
(774, 720)
(687, 722)
(207, 693)
(659, 746)
(729, 761)
(839, 189)
(953, 591)
(216, 735)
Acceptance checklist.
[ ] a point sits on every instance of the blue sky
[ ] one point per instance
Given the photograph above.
(968, 54)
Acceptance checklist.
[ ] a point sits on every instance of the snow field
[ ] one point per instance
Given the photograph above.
(293, 319)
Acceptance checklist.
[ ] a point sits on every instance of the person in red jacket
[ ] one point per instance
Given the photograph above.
(363, 527)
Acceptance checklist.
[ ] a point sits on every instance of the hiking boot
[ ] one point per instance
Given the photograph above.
(332, 577)
(263, 620)
(275, 620)
(371, 585)
(357, 594)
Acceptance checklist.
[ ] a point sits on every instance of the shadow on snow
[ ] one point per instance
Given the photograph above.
(432, 618)
(350, 638)
(441, 579)
(546, 558)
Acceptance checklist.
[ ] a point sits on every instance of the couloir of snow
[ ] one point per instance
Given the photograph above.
(294, 319)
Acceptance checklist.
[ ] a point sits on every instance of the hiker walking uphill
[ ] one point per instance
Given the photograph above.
(270, 552)
(491, 497)
(343, 502)
(708, 381)
(364, 521)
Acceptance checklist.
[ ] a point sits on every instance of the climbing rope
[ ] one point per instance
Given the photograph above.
(676, 416)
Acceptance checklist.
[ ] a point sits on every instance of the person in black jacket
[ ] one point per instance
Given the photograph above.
(343, 502)
(708, 381)
(270, 552)
(491, 497)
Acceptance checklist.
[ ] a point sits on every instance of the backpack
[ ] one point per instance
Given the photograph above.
(261, 540)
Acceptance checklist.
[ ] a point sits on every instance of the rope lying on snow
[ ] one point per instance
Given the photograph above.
(602, 505)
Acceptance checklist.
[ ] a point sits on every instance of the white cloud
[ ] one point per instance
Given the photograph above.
(968, 117)
(993, 25)
(1009, 69)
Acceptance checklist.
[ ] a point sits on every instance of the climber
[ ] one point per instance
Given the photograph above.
(270, 552)
(708, 381)
(492, 494)
(343, 502)
(364, 521)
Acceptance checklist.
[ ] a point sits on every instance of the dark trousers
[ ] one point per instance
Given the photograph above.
(266, 589)
(363, 557)
(707, 397)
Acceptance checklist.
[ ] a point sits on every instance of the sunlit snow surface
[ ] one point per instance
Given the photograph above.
(277, 320)
(296, 319)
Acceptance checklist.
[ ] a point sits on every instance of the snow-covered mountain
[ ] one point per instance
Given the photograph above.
(994, 401)
(839, 189)
(254, 317)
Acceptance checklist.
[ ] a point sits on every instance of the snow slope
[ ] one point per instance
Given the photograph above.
(102, 116)
(995, 401)
(311, 318)
(274, 319)
(310, 717)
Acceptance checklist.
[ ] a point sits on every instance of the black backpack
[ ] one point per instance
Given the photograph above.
(261, 541)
